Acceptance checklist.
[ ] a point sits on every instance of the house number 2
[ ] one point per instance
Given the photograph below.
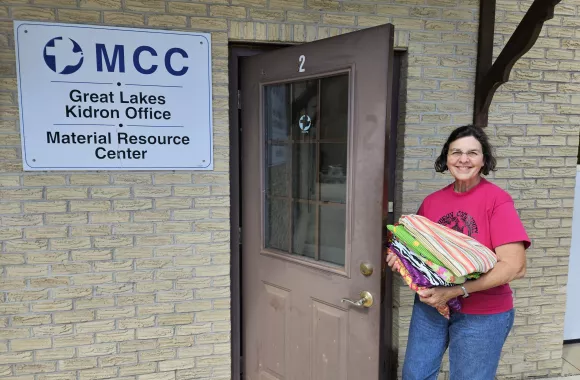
(301, 60)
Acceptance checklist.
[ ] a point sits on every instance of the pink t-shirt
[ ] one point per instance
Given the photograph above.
(487, 214)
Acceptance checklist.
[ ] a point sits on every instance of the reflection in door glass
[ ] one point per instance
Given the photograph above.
(304, 225)
(304, 179)
(332, 236)
(277, 233)
(332, 175)
(304, 109)
(277, 169)
(306, 127)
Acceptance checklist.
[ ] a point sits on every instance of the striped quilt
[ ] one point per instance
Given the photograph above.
(406, 238)
(427, 257)
(459, 253)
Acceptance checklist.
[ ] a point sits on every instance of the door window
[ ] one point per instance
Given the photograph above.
(306, 138)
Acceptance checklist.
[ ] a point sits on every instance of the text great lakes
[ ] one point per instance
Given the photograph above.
(84, 106)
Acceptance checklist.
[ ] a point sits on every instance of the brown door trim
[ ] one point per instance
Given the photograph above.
(236, 52)
(388, 353)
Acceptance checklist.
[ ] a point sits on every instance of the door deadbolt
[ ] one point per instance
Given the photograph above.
(366, 269)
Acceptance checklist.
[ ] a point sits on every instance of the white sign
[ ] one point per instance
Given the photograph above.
(108, 98)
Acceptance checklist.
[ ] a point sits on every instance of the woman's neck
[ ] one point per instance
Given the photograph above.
(465, 186)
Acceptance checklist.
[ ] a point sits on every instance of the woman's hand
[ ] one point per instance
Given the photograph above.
(439, 296)
(392, 261)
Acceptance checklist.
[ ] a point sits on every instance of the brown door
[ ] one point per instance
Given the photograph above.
(314, 130)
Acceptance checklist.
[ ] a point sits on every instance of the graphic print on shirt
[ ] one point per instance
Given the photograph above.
(460, 222)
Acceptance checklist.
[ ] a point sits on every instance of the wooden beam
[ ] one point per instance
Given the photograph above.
(484, 54)
(488, 79)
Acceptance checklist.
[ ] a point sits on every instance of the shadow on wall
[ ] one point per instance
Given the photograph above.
(400, 143)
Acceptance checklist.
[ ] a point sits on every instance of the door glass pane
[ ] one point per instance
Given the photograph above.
(277, 216)
(304, 109)
(333, 172)
(278, 120)
(332, 239)
(304, 171)
(306, 167)
(334, 107)
(277, 169)
(304, 229)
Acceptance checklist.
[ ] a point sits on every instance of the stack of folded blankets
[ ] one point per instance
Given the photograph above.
(431, 255)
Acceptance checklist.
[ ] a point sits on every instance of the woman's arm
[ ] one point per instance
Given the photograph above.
(511, 265)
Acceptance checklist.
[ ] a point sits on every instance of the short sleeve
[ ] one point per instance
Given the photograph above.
(505, 224)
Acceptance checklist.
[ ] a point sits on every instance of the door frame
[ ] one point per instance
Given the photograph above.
(237, 51)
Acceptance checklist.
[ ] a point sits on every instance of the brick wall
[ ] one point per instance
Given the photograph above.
(126, 275)
(536, 120)
(120, 275)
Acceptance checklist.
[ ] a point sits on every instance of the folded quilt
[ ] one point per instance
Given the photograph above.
(432, 277)
(443, 310)
(416, 276)
(431, 260)
(406, 238)
(420, 274)
(445, 273)
(459, 253)
(441, 271)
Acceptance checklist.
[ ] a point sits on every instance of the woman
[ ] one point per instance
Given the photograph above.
(482, 210)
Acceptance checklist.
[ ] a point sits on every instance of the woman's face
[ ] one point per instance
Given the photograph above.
(465, 159)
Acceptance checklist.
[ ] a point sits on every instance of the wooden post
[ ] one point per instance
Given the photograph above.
(489, 77)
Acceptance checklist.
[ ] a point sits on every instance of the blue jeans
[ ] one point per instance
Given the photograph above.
(475, 343)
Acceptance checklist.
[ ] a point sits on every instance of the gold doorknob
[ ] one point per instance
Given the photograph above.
(366, 300)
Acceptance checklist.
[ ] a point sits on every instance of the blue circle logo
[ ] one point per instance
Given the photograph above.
(305, 123)
(63, 55)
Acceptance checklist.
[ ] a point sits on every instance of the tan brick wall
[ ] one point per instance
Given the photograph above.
(126, 275)
(536, 121)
